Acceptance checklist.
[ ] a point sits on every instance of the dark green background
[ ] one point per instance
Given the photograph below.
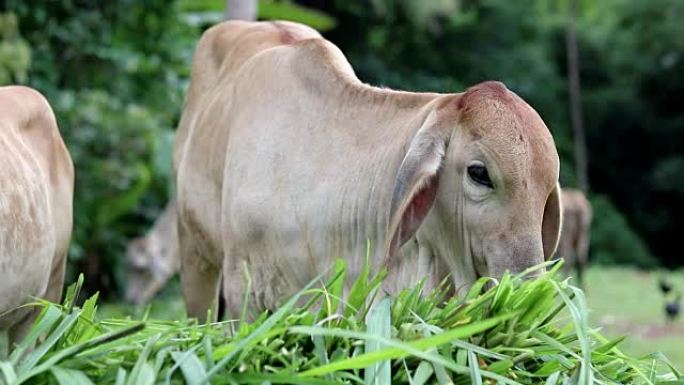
(115, 72)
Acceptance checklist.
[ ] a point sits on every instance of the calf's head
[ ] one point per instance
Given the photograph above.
(480, 180)
(146, 272)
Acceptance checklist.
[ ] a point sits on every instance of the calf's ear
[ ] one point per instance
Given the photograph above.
(415, 188)
(551, 223)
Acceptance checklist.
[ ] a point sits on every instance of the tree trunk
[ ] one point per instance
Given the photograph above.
(241, 9)
(580, 146)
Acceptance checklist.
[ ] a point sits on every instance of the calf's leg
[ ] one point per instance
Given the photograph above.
(199, 277)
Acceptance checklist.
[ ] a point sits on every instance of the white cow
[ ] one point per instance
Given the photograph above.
(285, 161)
(574, 241)
(153, 258)
(36, 190)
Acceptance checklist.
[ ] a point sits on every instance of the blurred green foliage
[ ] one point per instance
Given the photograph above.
(634, 77)
(613, 241)
(112, 143)
(632, 70)
(206, 12)
(115, 73)
(15, 53)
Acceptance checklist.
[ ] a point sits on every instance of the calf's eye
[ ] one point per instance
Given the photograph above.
(478, 173)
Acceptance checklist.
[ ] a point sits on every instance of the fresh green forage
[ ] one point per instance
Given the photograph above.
(518, 332)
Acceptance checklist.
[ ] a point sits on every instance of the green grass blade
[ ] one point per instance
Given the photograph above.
(540, 267)
(191, 367)
(75, 349)
(550, 341)
(32, 359)
(143, 373)
(70, 376)
(662, 358)
(320, 352)
(208, 351)
(552, 379)
(121, 376)
(422, 374)
(72, 293)
(378, 323)
(266, 378)
(8, 374)
(333, 291)
(259, 331)
(442, 375)
(48, 317)
(478, 350)
(608, 346)
(398, 349)
(475, 375)
(578, 313)
(84, 328)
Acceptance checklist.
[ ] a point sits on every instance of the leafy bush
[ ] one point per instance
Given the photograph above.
(116, 147)
(15, 53)
(631, 71)
(518, 332)
(613, 241)
(115, 74)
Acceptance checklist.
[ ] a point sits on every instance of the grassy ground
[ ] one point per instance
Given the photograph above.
(624, 301)
(519, 332)
(168, 305)
(628, 302)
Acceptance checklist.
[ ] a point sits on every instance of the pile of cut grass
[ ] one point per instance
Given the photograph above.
(518, 332)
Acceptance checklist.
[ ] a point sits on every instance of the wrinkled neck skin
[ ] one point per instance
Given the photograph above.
(455, 251)
(441, 247)
(446, 231)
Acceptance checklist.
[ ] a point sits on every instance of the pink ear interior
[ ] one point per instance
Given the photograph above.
(414, 214)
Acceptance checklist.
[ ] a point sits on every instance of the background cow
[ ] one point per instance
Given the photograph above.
(574, 242)
(153, 259)
(36, 193)
(284, 161)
